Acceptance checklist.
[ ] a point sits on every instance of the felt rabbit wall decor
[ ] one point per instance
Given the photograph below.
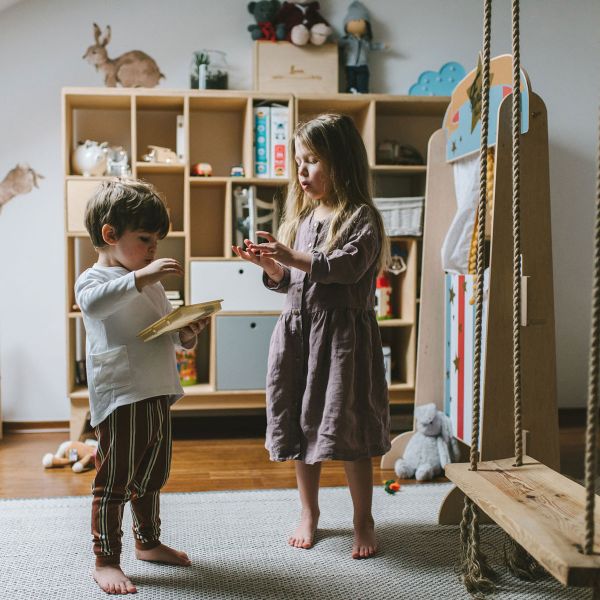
(131, 69)
(20, 180)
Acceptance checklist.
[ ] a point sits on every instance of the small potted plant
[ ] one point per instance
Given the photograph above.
(208, 70)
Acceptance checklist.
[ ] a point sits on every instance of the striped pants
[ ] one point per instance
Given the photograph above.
(132, 463)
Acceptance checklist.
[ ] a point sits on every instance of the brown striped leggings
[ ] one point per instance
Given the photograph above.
(132, 463)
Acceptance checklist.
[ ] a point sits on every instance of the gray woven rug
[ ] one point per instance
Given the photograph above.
(236, 541)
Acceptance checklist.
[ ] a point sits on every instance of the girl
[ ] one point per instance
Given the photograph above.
(326, 390)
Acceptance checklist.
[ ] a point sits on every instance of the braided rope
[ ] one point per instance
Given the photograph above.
(481, 214)
(592, 400)
(516, 214)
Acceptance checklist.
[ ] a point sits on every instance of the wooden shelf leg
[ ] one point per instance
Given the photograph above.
(79, 416)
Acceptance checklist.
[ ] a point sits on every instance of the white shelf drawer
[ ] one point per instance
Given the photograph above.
(238, 283)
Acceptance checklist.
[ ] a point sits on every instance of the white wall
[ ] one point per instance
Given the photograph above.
(41, 44)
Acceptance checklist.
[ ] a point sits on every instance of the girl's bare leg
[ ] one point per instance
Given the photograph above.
(360, 481)
(308, 478)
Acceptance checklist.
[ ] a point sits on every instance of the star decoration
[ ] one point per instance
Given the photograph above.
(452, 295)
(456, 362)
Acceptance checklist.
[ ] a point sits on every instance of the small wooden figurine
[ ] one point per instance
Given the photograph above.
(132, 69)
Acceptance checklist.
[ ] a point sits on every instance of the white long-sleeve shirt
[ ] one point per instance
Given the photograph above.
(121, 368)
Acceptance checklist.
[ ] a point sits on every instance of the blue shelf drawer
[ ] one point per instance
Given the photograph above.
(242, 348)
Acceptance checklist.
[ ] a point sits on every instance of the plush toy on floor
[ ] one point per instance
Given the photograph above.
(431, 448)
(80, 454)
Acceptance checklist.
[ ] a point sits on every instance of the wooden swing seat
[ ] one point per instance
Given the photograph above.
(540, 509)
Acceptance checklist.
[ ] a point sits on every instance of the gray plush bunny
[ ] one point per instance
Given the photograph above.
(431, 448)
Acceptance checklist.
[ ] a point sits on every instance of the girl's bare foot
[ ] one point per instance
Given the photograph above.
(365, 542)
(113, 581)
(304, 536)
(164, 554)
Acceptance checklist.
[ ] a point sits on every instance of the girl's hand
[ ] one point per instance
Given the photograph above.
(271, 267)
(273, 249)
(188, 333)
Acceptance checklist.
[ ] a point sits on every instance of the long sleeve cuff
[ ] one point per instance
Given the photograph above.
(278, 286)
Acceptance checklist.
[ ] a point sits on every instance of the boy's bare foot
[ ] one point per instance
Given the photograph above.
(304, 536)
(164, 554)
(365, 542)
(113, 581)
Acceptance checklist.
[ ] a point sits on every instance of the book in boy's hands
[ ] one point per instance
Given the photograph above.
(179, 318)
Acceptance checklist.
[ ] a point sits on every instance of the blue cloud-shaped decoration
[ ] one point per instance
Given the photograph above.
(441, 83)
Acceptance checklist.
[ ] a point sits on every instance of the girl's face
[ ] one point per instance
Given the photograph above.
(312, 173)
(134, 250)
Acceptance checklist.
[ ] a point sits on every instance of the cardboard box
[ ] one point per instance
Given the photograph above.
(286, 68)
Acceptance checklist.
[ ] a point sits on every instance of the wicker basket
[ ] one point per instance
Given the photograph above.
(401, 216)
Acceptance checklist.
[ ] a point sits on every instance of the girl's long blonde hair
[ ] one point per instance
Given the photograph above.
(336, 142)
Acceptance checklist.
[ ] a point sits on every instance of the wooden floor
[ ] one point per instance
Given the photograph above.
(209, 453)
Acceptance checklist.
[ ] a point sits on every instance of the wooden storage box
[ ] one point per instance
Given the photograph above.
(78, 193)
(242, 348)
(284, 67)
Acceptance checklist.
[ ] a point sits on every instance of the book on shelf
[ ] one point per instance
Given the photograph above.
(271, 136)
(179, 318)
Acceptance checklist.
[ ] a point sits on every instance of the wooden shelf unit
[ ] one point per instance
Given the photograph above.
(218, 128)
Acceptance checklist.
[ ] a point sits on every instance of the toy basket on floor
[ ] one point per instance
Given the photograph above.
(401, 216)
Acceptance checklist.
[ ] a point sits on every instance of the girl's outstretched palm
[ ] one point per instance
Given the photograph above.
(252, 254)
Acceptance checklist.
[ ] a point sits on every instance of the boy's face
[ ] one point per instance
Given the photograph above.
(134, 250)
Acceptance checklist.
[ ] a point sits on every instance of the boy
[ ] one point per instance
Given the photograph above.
(131, 383)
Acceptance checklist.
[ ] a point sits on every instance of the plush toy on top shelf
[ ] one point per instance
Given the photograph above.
(355, 46)
(132, 69)
(300, 23)
(80, 455)
(264, 12)
(431, 448)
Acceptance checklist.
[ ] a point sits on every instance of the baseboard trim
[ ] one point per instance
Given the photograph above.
(34, 426)
(567, 417)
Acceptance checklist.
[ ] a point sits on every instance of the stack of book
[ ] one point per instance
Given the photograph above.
(174, 297)
(271, 137)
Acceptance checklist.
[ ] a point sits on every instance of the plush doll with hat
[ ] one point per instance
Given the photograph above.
(431, 448)
(80, 455)
(356, 45)
(301, 22)
(264, 12)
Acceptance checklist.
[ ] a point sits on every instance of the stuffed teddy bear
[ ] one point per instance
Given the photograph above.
(80, 454)
(264, 12)
(300, 22)
(431, 448)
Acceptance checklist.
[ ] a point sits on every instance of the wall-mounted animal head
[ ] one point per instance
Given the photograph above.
(20, 180)
(97, 54)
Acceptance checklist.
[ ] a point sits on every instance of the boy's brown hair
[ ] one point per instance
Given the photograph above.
(125, 204)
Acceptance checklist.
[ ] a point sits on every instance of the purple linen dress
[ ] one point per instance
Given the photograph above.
(327, 396)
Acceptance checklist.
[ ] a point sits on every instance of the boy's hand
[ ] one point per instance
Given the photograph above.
(188, 333)
(156, 271)
(271, 267)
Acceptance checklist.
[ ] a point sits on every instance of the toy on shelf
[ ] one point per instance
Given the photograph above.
(132, 69)
(80, 455)
(252, 214)
(383, 298)
(441, 83)
(117, 163)
(431, 448)
(19, 180)
(202, 169)
(391, 152)
(264, 12)
(237, 171)
(90, 158)
(356, 45)
(301, 22)
(160, 155)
